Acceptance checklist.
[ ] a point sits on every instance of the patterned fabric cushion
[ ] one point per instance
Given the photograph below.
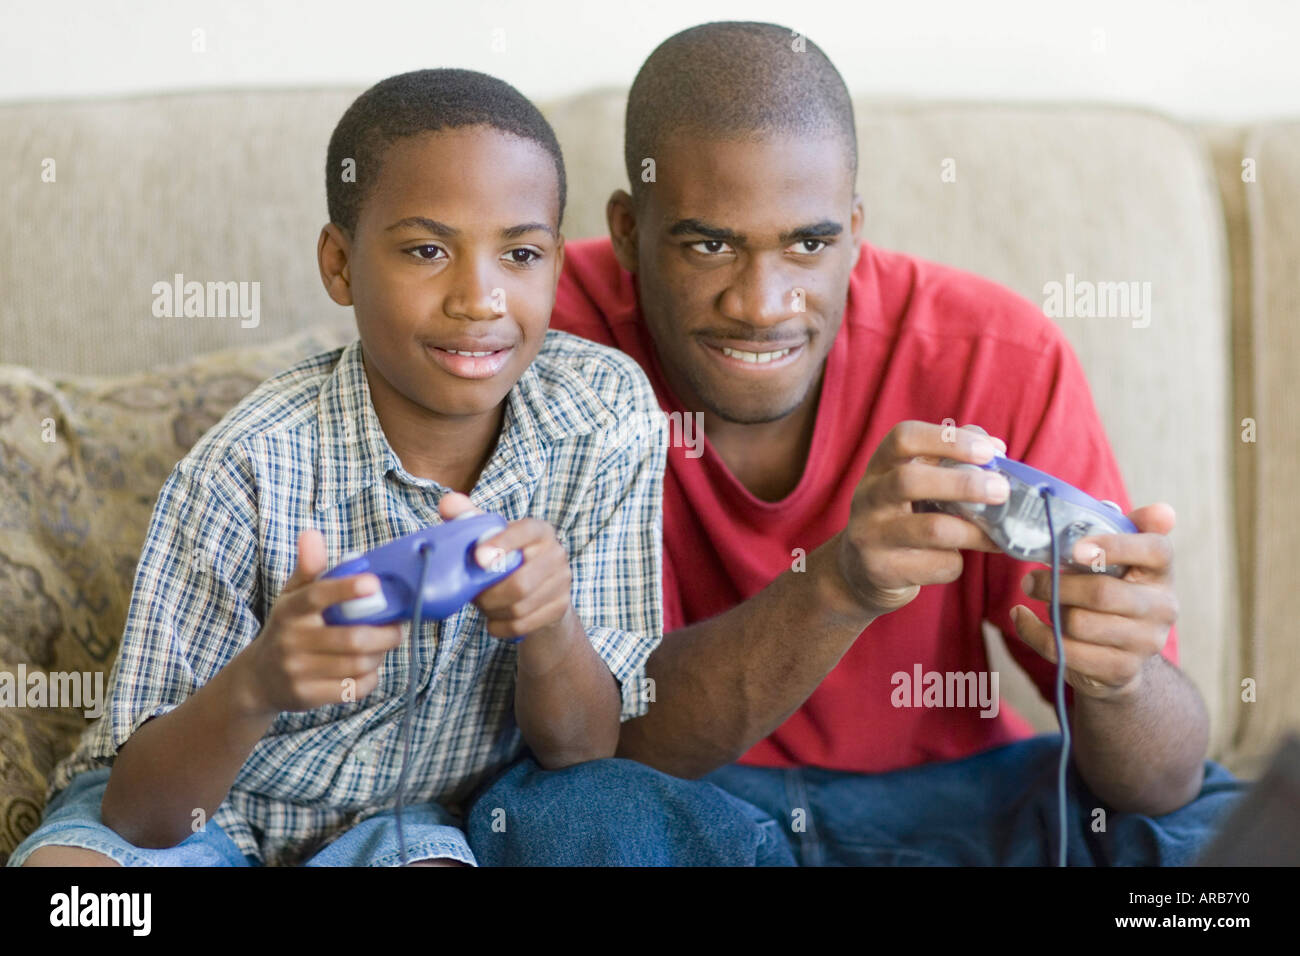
(81, 463)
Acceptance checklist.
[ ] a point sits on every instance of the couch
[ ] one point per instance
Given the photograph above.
(99, 396)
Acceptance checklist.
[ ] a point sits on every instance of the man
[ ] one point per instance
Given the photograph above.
(803, 591)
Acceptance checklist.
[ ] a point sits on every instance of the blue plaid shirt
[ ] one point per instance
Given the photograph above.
(582, 446)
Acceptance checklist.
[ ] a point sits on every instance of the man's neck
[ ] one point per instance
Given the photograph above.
(450, 451)
(767, 458)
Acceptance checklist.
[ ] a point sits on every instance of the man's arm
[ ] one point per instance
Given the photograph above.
(726, 683)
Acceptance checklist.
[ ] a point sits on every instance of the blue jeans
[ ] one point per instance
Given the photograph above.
(72, 819)
(616, 813)
(997, 808)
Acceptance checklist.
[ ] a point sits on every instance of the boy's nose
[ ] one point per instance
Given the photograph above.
(474, 295)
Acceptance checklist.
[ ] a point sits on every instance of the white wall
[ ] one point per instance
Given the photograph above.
(1199, 59)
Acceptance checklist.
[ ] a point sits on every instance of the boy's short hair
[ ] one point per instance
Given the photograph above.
(424, 101)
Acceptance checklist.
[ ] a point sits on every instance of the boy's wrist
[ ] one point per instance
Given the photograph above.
(243, 689)
(545, 648)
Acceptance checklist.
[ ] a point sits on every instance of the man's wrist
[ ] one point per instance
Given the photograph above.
(833, 592)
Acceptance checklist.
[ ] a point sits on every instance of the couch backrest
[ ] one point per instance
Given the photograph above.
(229, 187)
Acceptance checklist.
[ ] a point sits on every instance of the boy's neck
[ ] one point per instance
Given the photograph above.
(450, 451)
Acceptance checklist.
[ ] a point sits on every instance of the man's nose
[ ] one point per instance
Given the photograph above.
(761, 295)
(475, 291)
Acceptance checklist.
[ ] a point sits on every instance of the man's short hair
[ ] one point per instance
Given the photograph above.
(424, 101)
(735, 80)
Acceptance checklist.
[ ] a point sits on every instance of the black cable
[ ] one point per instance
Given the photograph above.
(411, 678)
(1060, 676)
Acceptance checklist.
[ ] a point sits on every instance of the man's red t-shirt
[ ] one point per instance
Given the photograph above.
(918, 341)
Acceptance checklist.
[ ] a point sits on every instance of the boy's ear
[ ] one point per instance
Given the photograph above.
(620, 215)
(559, 261)
(332, 256)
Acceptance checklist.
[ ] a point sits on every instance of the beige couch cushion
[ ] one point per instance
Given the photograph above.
(73, 515)
(1040, 193)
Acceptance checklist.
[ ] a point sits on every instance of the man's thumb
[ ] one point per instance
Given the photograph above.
(311, 559)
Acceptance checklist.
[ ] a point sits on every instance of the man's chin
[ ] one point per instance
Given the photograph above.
(758, 411)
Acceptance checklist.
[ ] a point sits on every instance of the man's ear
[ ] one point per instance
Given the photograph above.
(620, 214)
(333, 250)
(855, 226)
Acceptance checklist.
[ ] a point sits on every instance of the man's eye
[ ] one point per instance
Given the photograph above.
(802, 246)
(523, 257)
(427, 252)
(709, 247)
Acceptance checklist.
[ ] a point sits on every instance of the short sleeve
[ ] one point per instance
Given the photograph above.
(616, 544)
(190, 610)
(1056, 429)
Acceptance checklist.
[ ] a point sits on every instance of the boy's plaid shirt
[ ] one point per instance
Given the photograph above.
(582, 446)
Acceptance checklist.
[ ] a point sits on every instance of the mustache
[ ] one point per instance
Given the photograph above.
(747, 335)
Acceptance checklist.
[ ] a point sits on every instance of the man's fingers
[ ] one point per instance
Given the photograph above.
(1153, 554)
(527, 535)
(913, 439)
(918, 481)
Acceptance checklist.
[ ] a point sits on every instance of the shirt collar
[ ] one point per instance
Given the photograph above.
(551, 401)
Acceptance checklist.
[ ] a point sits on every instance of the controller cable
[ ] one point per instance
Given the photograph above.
(1060, 675)
(417, 609)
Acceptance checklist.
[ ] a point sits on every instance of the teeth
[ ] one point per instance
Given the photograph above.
(755, 358)
(473, 354)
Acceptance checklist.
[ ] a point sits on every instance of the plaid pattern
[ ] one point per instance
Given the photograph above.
(582, 446)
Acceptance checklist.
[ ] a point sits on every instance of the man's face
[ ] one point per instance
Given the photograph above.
(455, 251)
(743, 251)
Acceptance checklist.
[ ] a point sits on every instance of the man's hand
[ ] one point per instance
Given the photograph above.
(537, 596)
(1111, 627)
(888, 550)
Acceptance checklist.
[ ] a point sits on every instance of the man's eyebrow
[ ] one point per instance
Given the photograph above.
(826, 229)
(698, 227)
(444, 231)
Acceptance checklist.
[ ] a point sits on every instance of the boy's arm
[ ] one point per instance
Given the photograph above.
(184, 721)
(178, 718)
(581, 665)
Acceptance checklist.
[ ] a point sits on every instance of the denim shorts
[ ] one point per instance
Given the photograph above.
(72, 819)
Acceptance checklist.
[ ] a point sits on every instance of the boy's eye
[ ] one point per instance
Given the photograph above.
(709, 247)
(427, 252)
(805, 243)
(522, 256)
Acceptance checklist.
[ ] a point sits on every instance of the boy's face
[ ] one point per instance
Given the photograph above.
(743, 250)
(456, 250)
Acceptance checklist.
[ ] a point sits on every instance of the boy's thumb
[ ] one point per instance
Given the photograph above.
(311, 559)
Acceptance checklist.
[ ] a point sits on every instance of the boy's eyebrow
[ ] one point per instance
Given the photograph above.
(514, 232)
(825, 229)
(444, 231)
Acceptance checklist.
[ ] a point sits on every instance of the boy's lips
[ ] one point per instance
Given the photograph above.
(470, 359)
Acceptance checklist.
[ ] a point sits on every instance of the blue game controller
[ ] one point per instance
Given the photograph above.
(1019, 525)
(454, 578)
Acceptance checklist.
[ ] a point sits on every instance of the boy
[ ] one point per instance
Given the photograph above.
(241, 729)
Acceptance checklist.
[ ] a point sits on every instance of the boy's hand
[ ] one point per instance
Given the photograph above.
(536, 596)
(298, 662)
